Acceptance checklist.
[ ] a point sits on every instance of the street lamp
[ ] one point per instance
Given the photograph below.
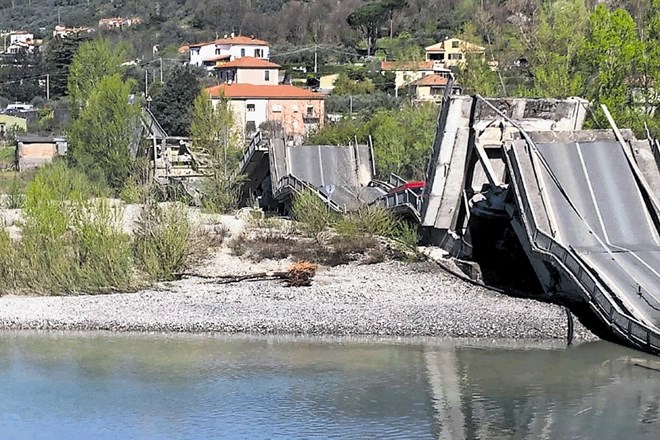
(149, 102)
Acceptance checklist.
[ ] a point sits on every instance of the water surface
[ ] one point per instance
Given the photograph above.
(125, 386)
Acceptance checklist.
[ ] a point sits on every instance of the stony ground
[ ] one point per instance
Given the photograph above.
(392, 298)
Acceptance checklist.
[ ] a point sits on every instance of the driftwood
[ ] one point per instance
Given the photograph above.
(297, 275)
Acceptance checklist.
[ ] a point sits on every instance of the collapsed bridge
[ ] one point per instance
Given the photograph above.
(517, 186)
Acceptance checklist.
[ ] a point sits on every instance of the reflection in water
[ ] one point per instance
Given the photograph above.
(588, 391)
(81, 385)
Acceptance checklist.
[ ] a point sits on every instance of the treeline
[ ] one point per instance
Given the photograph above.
(607, 55)
(283, 22)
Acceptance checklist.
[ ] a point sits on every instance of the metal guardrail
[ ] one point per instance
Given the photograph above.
(598, 295)
(249, 151)
(295, 185)
(153, 123)
(402, 199)
(395, 180)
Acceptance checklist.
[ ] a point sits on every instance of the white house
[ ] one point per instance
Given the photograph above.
(20, 37)
(228, 49)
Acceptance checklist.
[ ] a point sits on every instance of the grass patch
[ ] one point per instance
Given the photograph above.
(69, 242)
(333, 251)
(356, 231)
(163, 240)
(72, 241)
(7, 156)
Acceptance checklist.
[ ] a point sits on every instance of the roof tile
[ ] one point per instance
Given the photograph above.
(261, 91)
(249, 63)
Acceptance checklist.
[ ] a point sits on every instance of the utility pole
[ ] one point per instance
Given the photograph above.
(316, 58)
(161, 70)
(47, 87)
(146, 82)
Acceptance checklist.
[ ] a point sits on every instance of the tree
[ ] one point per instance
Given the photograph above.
(551, 46)
(392, 7)
(368, 19)
(214, 138)
(100, 138)
(476, 75)
(173, 103)
(94, 60)
(610, 55)
(59, 56)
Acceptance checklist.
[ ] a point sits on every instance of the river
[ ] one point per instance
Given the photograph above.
(69, 385)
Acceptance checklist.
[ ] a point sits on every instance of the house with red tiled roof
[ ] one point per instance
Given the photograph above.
(232, 47)
(297, 111)
(432, 87)
(247, 70)
(407, 72)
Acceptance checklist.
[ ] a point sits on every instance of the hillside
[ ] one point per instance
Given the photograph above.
(283, 22)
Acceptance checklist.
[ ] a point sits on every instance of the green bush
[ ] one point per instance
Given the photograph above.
(312, 213)
(372, 220)
(163, 240)
(69, 242)
(7, 262)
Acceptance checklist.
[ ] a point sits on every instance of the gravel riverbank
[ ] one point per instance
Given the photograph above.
(387, 299)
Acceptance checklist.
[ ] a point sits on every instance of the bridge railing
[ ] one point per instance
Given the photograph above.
(599, 297)
(402, 199)
(249, 151)
(293, 184)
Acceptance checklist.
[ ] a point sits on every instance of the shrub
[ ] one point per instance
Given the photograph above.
(163, 240)
(312, 213)
(372, 220)
(7, 262)
(69, 242)
(103, 251)
(15, 197)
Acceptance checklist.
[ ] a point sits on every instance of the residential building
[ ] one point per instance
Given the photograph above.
(118, 22)
(11, 124)
(62, 31)
(432, 87)
(298, 112)
(19, 41)
(227, 49)
(452, 52)
(35, 151)
(327, 83)
(247, 70)
(20, 37)
(407, 72)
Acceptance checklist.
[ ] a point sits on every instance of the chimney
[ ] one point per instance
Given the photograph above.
(233, 35)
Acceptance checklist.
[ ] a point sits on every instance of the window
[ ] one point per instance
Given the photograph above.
(218, 51)
(251, 107)
(295, 108)
(250, 126)
(257, 53)
(277, 108)
(267, 75)
(243, 52)
(310, 111)
(195, 51)
(454, 45)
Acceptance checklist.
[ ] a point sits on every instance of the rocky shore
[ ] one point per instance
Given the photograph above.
(386, 299)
